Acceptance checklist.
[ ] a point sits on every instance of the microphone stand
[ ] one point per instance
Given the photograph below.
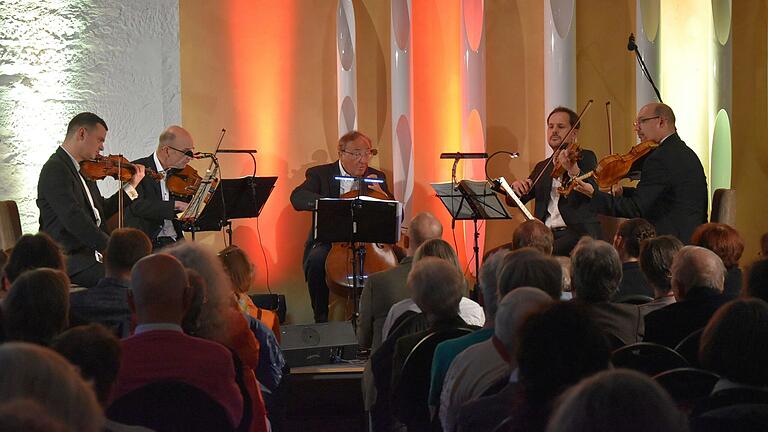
(632, 46)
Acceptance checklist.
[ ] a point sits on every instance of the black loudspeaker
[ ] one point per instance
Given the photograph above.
(316, 344)
(273, 302)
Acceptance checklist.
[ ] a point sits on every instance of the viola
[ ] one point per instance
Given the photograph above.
(184, 183)
(612, 168)
(115, 166)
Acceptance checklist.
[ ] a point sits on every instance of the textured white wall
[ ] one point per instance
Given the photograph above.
(119, 59)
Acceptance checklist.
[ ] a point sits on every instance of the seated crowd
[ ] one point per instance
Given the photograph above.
(171, 340)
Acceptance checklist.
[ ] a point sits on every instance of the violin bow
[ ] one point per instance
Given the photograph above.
(563, 142)
(610, 131)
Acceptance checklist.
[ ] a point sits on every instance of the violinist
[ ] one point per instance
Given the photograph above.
(155, 212)
(72, 210)
(355, 152)
(570, 217)
(672, 192)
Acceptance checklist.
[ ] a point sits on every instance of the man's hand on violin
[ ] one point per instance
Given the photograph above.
(522, 187)
(584, 187)
(138, 175)
(565, 159)
(180, 206)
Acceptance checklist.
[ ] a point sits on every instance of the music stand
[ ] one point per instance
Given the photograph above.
(357, 220)
(238, 198)
(471, 200)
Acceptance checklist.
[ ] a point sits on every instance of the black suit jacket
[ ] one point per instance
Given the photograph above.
(671, 194)
(575, 208)
(66, 215)
(320, 183)
(148, 212)
(671, 324)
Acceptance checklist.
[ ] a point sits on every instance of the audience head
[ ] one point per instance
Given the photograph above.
(96, 353)
(696, 268)
(530, 267)
(722, 239)
(125, 247)
(36, 308)
(436, 286)
(489, 272)
(33, 251)
(191, 322)
(618, 400)
(28, 416)
(39, 374)
(513, 308)
(437, 248)
(733, 342)
(595, 270)
(630, 234)
(533, 233)
(239, 268)
(160, 291)
(213, 314)
(559, 345)
(424, 226)
(757, 280)
(656, 256)
(565, 268)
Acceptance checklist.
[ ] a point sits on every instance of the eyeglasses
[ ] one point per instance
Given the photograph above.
(188, 153)
(640, 121)
(359, 155)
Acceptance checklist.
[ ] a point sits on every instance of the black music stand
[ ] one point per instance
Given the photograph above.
(471, 200)
(238, 198)
(357, 220)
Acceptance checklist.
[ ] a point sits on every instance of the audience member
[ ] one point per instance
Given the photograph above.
(107, 302)
(33, 251)
(469, 310)
(241, 272)
(26, 415)
(384, 289)
(530, 267)
(533, 233)
(757, 280)
(447, 351)
(565, 268)
(725, 242)
(159, 350)
(37, 306)
(489, 363)
(656, 257)
(595, 276)
(733, 346)
(435, 286)
(220, 320)
(96, 353)
(697, 281)
(627, 242)
(32, 372)
(617, 401)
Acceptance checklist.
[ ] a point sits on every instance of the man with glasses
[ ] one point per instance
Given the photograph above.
(672, 192)
(355, 152)
(155, 212)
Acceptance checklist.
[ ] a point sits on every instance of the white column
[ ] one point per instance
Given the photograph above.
(472, 79)
(559, 56)
(346, 66)
(402, 104)
(647, 38)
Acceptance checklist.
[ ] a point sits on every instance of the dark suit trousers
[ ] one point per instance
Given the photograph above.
(565, 241)
(314, 270)
(89, 276)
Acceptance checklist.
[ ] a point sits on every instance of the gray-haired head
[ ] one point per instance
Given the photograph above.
(435, 286)
(595, 270)
(696, 268)
(513, 309)
(489, 277)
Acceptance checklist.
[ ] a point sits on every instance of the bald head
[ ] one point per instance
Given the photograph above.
(424, 226)
(159, 289)
(695, 267)
(174, 142)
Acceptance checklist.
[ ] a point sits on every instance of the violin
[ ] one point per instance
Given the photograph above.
(184, 183)
(115, 166)
(574, 155)
(612, 168)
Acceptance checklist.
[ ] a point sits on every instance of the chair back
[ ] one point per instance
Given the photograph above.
(687, 386)
(746, 417)
(10, 224)
(648, 358)
(413, 388)
(615, 341)
(724, 207)
(634, 299)
(689, 347)
(170, 406)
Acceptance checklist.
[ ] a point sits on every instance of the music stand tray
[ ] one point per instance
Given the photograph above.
(237, 198)
(470, 200)
(363, 219)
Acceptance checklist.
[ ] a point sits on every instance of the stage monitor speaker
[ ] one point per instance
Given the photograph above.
(316, 344)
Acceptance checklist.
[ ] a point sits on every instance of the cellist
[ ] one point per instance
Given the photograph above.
(355, 152)
(72, 210)
(570, 217)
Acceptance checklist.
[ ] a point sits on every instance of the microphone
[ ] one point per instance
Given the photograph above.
(202, 155)
(460, 155)
(631, 45)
